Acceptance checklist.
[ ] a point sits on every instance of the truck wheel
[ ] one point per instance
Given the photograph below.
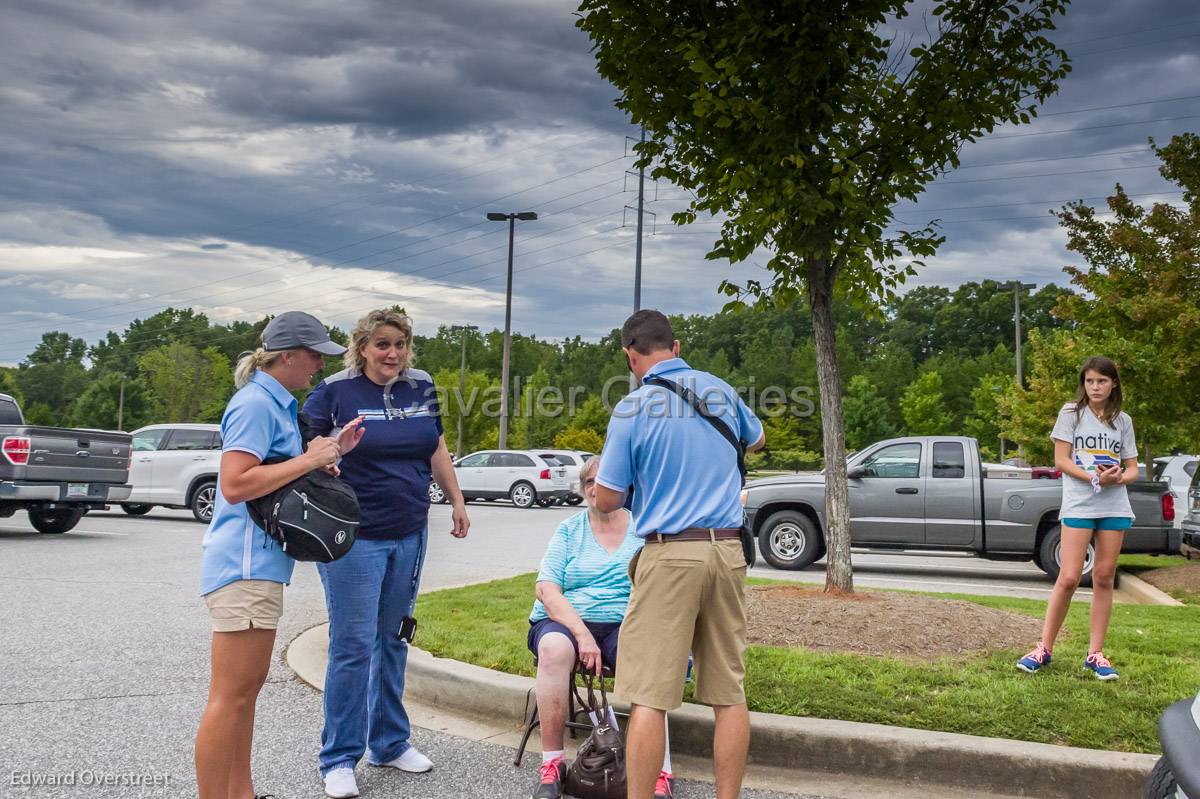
(134, 509)
(53, 522)
(1161, 782)
(436, 495)
(522, 495)
(574, 499)
(1048, 557)
(204, 501)
(789, 540)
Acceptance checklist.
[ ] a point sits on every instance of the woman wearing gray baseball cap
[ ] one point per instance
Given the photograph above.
(243, 571)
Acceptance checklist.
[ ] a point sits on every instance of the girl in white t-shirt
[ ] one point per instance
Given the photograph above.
(1094, 447)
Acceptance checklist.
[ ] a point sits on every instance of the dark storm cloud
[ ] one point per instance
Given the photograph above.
(310, 126)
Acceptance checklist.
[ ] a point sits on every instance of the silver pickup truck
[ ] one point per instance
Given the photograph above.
(57, 474)
(932, 493)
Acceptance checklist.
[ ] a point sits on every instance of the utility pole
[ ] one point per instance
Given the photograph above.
(462, 387)
(524, 216)
(1017, 286)
(121, 405)
(637, 262)
(637, 259)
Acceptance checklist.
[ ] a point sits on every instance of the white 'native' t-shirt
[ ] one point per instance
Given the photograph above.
(1093, 444)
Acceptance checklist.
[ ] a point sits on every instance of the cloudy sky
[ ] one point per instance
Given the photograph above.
(250, 157)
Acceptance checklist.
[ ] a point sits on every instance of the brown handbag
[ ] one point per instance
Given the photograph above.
(598, 771)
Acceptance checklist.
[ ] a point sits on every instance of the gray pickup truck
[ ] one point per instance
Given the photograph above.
(57, 474)
(932, 493)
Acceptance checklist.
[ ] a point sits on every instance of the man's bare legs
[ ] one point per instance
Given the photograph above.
(645, 744)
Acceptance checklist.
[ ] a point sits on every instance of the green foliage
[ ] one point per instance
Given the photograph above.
(793, 460)
(1141, 296)
(579, 439)
(190, 385)
(983, 422)
(868, 416)
(469, 405)
(923, 407)
(99, 404)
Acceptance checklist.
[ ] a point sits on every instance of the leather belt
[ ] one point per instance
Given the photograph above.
(697, 534)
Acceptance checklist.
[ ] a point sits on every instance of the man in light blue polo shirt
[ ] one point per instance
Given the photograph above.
(688, 580)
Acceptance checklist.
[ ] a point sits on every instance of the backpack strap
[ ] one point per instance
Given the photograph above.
(689, 396)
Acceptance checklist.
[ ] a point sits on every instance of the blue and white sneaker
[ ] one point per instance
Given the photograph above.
(1039, 657)
(1097, 664)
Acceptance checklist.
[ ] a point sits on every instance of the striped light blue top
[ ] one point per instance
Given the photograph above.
(593, 581)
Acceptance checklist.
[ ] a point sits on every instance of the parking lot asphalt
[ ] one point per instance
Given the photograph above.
(104, 660)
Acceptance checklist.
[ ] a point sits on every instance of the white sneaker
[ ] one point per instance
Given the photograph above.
(340, 783)
(411, 761)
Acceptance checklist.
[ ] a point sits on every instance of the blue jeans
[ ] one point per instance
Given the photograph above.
(367, 593)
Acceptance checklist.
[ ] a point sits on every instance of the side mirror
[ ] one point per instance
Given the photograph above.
(856, 472)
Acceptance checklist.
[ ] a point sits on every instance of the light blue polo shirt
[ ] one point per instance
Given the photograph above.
(683, 471)
(595, 582)
(260, 420)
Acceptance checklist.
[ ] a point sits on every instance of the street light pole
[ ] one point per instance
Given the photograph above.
(524, 216)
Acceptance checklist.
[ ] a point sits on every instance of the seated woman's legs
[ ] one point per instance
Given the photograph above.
(556, 663)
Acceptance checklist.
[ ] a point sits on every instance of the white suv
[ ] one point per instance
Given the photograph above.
(174, 465)
(573, 459)
(522, 476)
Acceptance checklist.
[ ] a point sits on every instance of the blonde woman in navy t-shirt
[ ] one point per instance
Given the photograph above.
(371, 590)
(1096, 451)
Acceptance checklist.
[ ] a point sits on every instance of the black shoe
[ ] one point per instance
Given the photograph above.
(550, 780)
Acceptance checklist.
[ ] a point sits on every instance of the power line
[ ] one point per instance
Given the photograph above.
(210, 334)
(1134, 46)
(425, 269)
(368, 239)
(104, 322)
(1122, 105)
(1089, 127)
(1056, 158)
(1047, 174)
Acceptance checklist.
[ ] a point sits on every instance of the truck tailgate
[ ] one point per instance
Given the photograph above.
(58, 454)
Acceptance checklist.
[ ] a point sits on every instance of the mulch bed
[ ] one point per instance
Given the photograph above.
(907, 626)
(1175, 578)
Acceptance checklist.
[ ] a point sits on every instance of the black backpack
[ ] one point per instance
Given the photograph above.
(315, 517)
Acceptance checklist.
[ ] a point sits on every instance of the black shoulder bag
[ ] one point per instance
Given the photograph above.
(314, 518)
(739, 446)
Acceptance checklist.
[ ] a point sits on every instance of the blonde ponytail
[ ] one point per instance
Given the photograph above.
(251, 362)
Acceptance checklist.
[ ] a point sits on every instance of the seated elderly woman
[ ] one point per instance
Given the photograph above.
(582, 592)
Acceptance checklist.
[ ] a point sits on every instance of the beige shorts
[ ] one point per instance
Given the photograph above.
(688, 596)
(246, 604)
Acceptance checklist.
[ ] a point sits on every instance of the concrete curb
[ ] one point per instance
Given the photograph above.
(971, 763)
(1145, 593)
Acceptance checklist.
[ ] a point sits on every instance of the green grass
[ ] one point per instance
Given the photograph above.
(1153, 646)
(1142, 563)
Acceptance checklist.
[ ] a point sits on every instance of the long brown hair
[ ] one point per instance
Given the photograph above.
(1112, 406)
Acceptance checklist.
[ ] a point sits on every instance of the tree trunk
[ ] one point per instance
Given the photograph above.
(839, 575)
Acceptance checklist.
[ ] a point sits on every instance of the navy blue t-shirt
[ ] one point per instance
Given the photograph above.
(390, 467)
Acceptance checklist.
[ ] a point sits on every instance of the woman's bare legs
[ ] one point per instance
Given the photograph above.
(240, 661)
(1108, 548)
(1072, 554)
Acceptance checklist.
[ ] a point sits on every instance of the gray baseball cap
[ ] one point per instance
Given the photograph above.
(293, 329)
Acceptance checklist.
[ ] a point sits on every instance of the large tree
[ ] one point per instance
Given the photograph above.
(803, 123)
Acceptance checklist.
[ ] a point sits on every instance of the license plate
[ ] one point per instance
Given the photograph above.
(77, 489)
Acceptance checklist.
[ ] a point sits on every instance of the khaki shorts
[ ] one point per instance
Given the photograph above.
(246, 604)
(688, 596)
